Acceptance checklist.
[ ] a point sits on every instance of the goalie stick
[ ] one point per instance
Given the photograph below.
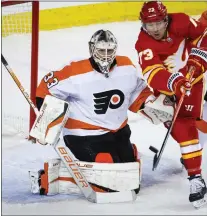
(158, 154)
(21, 88)
(67, 157)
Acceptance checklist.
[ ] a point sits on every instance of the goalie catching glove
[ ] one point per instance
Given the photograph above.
(158, 110)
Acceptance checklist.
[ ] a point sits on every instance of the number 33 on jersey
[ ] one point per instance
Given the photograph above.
(50, 80)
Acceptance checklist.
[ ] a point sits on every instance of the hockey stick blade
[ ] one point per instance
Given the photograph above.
(155, 162)
(115, 197)
(153, 149)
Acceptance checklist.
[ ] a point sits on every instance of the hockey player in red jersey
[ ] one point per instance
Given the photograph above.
(165, 49)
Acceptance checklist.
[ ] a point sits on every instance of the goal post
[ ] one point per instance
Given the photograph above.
(22, 18)
(34, 57)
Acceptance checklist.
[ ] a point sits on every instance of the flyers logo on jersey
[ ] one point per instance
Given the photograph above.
(109, 99)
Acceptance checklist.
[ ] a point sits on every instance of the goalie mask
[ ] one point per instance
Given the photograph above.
(102, 47)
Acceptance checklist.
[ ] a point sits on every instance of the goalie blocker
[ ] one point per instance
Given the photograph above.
(50, 121)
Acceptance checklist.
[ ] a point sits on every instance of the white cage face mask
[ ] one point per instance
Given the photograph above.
(103, 46)
(104, 53)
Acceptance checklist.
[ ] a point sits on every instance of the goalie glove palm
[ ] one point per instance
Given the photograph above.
(158, 110)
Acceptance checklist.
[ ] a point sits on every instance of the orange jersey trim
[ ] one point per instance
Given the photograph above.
(123, 61)
(140, 100)
(73, 69)
(80, 67)
(77, 124)
(42, 90)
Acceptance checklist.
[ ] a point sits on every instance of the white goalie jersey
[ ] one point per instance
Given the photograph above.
(97, 104)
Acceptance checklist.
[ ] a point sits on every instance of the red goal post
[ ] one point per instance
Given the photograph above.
(32, 26)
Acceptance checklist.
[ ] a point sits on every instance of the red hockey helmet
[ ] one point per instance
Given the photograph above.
(153, 11)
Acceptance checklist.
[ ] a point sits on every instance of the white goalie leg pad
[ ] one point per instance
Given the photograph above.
(46, 181)
(109, 176)
(103, 177)
(158, 110)
(50, 121)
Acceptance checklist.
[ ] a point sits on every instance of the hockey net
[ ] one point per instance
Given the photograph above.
(20, 48)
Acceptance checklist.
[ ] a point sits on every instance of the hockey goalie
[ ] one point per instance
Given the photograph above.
(87, 101)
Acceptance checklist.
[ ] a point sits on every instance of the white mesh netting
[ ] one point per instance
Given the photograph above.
(16, 19)
(16, 48)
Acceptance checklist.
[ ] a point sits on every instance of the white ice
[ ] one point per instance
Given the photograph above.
(164, 191)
